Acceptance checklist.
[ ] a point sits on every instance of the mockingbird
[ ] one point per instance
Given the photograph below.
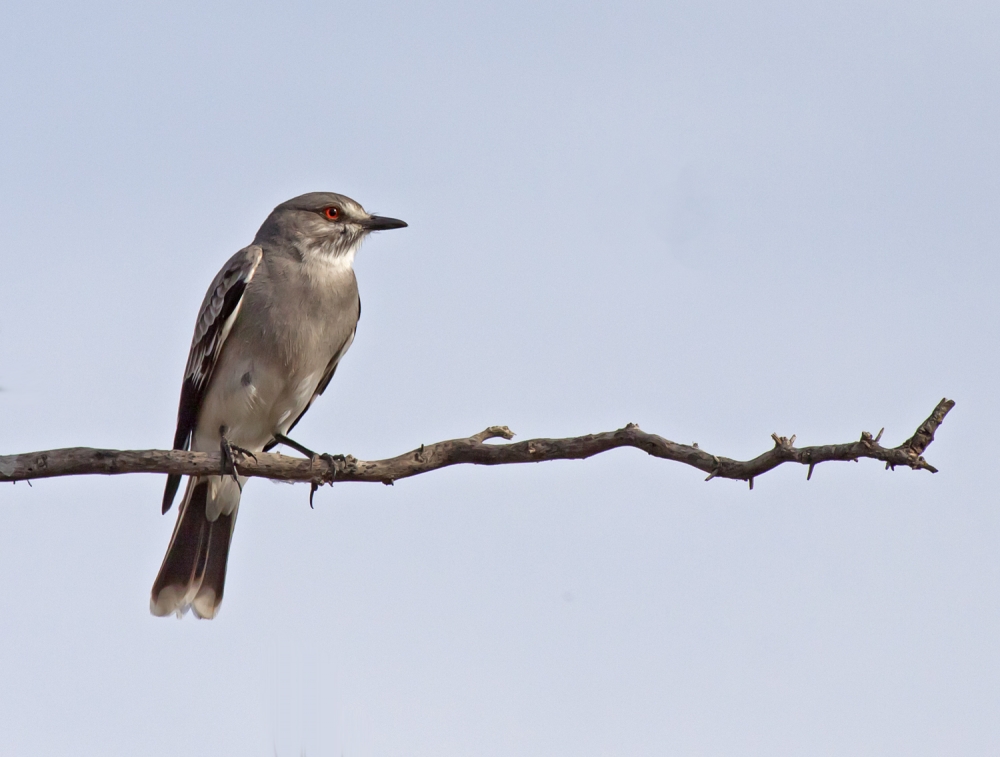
(275, 323)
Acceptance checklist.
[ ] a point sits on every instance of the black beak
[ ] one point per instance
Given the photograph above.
(381, 223)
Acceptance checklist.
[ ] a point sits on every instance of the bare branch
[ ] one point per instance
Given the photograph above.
(75, 461)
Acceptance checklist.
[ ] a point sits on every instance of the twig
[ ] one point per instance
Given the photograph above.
(75, 461)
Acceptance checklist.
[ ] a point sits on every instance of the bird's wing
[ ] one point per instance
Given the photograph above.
(215, 320)
(324, 382)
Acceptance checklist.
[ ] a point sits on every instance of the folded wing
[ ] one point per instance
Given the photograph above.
(215, 320)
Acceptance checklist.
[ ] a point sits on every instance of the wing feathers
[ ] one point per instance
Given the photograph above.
(215, 320)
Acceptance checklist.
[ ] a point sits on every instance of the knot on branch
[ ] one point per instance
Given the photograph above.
(716, 468)
(784, 443)
(869, 441)
(493, 432)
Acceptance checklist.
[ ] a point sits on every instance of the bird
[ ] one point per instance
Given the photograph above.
(272, 329)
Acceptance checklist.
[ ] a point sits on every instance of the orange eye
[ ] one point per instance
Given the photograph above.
(333, 213)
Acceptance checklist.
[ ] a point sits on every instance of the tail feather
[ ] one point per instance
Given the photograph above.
(170, 491)
(193, 573)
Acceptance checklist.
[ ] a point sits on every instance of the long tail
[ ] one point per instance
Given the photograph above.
(193, 574)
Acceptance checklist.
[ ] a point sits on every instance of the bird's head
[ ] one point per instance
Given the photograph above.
(323, 223)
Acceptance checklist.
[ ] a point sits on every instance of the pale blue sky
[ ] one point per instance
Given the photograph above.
(715, 219)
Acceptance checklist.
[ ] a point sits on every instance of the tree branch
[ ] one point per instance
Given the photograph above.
(75, 461)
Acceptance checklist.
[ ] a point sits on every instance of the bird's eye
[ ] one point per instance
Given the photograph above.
(332, 213)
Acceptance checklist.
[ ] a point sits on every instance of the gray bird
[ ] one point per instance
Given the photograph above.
(274, 325)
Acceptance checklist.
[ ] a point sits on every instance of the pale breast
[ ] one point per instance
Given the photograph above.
(294, 319)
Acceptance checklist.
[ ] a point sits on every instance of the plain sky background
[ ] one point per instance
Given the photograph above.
(715, 219)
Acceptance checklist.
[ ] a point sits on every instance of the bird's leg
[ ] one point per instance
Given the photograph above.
(228, 459)
(282, 439)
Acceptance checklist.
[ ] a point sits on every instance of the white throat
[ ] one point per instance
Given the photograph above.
(333, 258)
(335, 261)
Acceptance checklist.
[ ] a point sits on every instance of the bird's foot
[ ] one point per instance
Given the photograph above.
(229, 452)
(335, 462)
